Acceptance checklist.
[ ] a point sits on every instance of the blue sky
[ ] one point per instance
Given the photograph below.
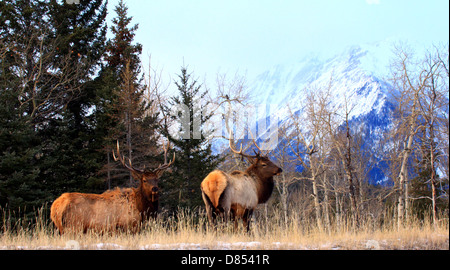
(250, 36)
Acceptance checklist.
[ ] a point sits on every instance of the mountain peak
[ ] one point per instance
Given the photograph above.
(355, 74)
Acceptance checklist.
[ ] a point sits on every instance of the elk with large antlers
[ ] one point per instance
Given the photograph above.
(238, 193)
(114, 209)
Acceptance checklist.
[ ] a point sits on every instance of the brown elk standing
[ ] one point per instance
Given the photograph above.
(114, 209)
(238, 193)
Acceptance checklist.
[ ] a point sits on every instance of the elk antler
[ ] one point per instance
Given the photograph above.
(254, 142)
(165, 165)
(240, 150)
(122, 160)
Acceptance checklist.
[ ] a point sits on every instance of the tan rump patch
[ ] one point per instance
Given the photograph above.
(213, 185)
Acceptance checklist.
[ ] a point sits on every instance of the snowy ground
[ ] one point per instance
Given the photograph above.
(74, 245)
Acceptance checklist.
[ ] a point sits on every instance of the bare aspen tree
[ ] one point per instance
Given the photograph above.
(432, 103)
(364, 161)
(287, 163)
(45, 88)
(338, 197)
(349, 168)
(337, 146)
(326, 201)
(443, 138)
(331, 121)
(304, 148)
(343, 149)
(406, 126)
(341, 184)
(229, 104)
(155, 90)
(325, 148)
(311, 146)
(411, 78)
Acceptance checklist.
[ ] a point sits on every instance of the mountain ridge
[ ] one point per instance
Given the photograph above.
(353, 76)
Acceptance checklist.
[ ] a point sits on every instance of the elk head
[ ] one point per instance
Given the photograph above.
(148, 178)
(262, 165)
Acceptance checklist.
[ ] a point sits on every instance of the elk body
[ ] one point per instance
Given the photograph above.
(239, 192)
(114, 209)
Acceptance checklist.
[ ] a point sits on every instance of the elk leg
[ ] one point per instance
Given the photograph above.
(227, 215)
(247, 218)
(210, 211)
(234, 218)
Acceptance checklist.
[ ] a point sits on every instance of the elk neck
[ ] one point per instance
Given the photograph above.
(264, 184)
(145, 205)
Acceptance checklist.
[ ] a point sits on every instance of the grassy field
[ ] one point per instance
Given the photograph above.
(189, 230)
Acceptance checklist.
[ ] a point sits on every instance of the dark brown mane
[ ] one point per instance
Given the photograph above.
(145, 205)
(264, 183)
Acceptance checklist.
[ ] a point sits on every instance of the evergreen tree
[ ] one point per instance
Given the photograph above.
(122, 101)
(194, 158)
(49, 54)
(120, 50)
(81, 33)
(70, 142)
(20, 187)
(22, 46)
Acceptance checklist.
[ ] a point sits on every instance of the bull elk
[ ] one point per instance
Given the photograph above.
(114, 209)
(238, 193)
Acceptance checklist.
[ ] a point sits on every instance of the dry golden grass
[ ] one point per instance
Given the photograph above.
(189, 230)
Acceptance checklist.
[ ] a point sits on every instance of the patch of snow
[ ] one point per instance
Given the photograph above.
(373, 244)
(101, 246)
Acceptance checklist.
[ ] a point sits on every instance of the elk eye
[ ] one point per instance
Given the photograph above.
(264, 164)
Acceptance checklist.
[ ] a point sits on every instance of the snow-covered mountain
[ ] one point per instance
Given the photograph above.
(357, 75)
